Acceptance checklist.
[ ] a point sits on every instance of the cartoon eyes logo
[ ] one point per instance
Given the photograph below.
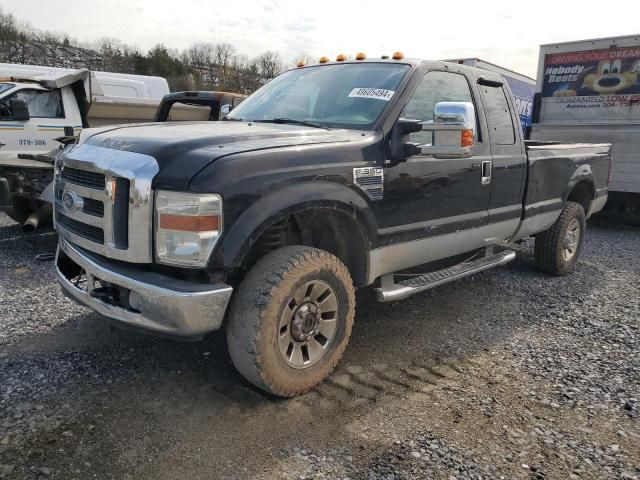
(611, 77)
(607, 67)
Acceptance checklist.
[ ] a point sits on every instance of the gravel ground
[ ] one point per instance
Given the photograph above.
(507, 374)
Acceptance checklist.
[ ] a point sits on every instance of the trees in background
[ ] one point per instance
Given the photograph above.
(202, 66)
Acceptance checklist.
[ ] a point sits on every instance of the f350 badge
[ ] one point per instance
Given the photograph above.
(370, 180)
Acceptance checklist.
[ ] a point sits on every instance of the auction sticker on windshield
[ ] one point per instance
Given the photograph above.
(377, 93)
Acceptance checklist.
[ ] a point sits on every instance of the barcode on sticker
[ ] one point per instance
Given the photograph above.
(377, 93)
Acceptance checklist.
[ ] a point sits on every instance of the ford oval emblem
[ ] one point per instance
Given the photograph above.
(71, 201)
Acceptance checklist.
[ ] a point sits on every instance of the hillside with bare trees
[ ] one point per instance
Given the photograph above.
(202, 66)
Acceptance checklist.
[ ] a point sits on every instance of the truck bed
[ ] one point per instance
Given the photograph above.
(554, 169)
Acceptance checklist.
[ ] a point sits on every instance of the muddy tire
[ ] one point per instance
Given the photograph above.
(558, 249)
(291, 319)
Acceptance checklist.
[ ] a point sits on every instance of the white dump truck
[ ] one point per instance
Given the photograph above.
(589, 91)
(40, 106)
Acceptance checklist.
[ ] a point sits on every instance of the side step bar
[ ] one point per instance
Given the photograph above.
(390, 291)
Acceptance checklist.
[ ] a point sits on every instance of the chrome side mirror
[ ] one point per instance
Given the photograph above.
(453, 128)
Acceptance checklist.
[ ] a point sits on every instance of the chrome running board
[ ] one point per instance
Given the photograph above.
(390, 291)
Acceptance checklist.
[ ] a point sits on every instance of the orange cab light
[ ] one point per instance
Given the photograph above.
(360, 56)
(301, 63)
(323, 59)
(467, 138)
(398, 56)
(190, 223)
(341, 58)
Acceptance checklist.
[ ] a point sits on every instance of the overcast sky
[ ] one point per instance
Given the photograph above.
(503, 32)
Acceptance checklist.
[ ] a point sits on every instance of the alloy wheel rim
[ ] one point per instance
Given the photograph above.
(308, 324)
(571, 240)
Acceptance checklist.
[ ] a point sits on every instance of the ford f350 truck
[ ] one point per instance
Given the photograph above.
(330, 177)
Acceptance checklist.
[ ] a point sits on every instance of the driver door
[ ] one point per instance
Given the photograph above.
(427, 197)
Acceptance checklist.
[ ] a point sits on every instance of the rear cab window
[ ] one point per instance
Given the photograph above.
(499, 115)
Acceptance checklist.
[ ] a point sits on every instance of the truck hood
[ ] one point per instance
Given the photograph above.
(183, 149)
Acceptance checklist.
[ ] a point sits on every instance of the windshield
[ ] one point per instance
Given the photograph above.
(343, 96)
(6, 86)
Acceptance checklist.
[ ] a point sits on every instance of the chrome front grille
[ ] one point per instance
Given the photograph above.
(84, 178)
(104, 201)
(93, 207)
(89, 232)
(89, 205)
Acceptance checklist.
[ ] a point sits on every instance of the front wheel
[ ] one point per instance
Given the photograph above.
(291, 319)
(557, 249)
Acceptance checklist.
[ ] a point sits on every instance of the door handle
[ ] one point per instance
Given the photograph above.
(486, 172)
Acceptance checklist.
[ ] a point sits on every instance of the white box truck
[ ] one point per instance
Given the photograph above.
(523, 88)
(589, 91)
(41, 104)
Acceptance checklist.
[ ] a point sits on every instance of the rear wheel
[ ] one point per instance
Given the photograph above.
(558, 249)
(20, 210)
(291, 320)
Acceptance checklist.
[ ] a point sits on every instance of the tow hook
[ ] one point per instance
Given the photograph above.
(104, 293)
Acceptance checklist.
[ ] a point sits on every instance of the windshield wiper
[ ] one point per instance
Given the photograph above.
(293, 121)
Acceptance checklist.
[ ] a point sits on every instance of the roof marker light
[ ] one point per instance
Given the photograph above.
(341, 58)
(301, 63)
(323, 59)
(360, 56)
(398, 56)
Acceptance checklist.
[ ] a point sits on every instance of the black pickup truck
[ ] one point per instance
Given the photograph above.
(392, 173)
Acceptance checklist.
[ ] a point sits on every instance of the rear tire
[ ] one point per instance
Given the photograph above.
(20, 210)
(558, 249)
(291, 319)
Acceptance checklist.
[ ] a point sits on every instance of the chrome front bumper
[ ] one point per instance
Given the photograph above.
(157, 304)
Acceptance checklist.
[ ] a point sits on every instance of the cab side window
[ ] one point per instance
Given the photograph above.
(41, 104)
(433, 88)
(499, 116)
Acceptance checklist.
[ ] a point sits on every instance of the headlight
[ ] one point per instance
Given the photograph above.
(187, 227)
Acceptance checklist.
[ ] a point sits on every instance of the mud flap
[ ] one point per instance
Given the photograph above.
(47, 194)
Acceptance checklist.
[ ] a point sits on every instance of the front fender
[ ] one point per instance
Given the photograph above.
(279, 205)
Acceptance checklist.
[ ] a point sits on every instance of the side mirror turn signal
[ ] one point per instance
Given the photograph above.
(453, 128)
